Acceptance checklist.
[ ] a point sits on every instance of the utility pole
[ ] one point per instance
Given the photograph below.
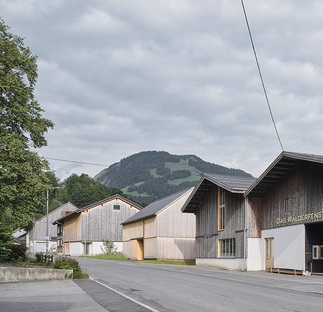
(47, 236)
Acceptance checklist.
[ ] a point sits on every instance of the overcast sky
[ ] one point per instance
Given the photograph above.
(120, 77)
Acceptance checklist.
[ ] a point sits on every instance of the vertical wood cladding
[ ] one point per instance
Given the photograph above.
(104, 222)
(296, 198)
(207, 233)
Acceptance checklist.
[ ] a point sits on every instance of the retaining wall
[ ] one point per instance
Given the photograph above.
(13, 274)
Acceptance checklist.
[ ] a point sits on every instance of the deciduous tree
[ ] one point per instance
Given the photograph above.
(22, 128)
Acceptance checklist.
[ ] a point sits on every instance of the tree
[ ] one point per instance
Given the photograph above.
(83, 190)
(22, 127)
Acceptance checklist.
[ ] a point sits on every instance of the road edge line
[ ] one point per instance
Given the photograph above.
(125, 296)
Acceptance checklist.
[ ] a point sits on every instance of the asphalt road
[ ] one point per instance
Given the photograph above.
(127, 286)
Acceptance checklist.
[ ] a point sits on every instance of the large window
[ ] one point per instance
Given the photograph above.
(227, 247)
(221, 210)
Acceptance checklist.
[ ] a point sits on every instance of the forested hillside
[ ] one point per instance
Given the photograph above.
(148, 176)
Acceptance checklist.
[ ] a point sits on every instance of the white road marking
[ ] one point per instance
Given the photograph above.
(125, 296)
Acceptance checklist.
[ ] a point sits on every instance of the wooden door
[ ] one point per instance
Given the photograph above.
(140, 249)
(269, 253)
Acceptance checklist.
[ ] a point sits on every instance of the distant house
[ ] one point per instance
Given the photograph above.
(218, 203)
(84, 230)
(161, 231)
(36, 237)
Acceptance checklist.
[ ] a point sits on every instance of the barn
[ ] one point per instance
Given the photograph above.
(36, 237)
(84, 230)
(161, 231)
(290, 194)
(219, 206)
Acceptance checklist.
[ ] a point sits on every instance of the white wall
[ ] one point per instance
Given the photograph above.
(76, 249)
(289, 247)
(254, 258)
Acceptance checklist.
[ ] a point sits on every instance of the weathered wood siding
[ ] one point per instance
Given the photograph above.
(207, 234)
(150, 248)
(175, 248)
(39, 228)
(254, 217)
(303, 187)
(102, 222)
(171, 222)
(149, 227)
(72, 228)
(133, 230)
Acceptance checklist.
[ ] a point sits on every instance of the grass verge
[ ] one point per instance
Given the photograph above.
(167, 262)
(109, 257)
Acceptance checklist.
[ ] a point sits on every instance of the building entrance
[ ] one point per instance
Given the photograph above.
(314, 247)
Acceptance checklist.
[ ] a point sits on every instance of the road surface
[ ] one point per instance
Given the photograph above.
(128, 286)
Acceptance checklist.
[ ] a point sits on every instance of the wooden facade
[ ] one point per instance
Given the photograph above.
(161, 231)
(86, 228)
(220, 233)
(290, 194)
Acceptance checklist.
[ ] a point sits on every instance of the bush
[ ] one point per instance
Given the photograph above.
(18, 253)
(108, 247)
(38, 256)
(70, 264)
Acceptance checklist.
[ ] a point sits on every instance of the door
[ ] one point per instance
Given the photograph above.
(140, 249)
(269, 253)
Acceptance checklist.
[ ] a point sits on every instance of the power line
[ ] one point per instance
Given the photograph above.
(77, 162)
(261, 78)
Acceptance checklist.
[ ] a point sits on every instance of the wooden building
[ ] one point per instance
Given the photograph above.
(161, 231)
(219, 206)
(290, 193)
(84, 230)
(36, 237)
(274, 222)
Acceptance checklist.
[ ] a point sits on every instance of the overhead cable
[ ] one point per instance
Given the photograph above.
(261, 78)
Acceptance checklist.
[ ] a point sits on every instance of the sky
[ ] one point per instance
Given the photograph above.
(121, 77)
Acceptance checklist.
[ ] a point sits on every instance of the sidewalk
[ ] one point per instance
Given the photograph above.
(53, 295)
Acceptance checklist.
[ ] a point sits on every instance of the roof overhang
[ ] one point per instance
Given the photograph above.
(203, 187)
(279, 167)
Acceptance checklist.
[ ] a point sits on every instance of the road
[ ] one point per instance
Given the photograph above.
(156, 287)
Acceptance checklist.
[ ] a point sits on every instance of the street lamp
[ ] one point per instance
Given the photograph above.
(47, 237)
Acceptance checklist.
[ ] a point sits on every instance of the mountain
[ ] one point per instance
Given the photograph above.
(147, 176)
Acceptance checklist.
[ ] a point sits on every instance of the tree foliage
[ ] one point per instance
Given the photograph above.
(22, 127)
(83, 190)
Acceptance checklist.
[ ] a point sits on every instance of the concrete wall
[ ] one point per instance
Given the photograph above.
(223, 263)
(10, 274)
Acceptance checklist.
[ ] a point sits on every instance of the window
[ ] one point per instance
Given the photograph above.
(317, 252)
(287, 205)
(59, 242)
(221, 210)
(116, 207)
(227, 247)
(59, 229)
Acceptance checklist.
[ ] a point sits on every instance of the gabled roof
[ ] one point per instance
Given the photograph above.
(156, 207)
(233, 184)
(101, 202)
(278, 168)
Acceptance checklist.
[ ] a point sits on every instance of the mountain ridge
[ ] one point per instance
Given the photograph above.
(150, 175)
